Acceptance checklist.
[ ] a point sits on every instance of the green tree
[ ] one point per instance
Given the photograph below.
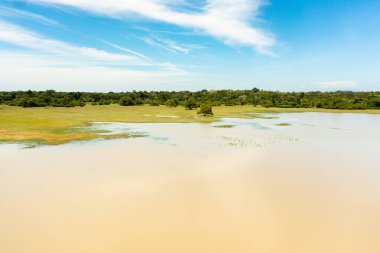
(329, 100)
(126, 101)
(190, 104)
(139, 101)
(171, 103)
(154, 103)
(205, 110)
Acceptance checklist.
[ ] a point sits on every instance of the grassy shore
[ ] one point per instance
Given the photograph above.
(61, 125)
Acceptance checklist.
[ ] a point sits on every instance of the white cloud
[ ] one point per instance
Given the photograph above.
(48, 63)
(126, 50)
(336, 85)
(77, 55)
(226, 20)
(154, 43)
(19, 36)
(170, 45)
(22, 71)
(12, 12)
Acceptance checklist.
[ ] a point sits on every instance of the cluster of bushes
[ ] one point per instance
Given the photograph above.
(192, 100)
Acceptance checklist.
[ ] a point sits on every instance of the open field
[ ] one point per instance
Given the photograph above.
(61, 125)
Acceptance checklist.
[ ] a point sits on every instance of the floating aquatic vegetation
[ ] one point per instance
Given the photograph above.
(283, 124)
(224, 126)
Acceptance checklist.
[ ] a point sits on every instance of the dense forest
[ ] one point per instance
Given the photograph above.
(190, 100)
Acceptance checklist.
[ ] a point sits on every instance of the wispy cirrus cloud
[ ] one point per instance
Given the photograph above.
(7, 12)
(126, 50)
(171, 45)
(226, 20)
(45, 62)
(42, 71)
(180, 47)
(19, 36)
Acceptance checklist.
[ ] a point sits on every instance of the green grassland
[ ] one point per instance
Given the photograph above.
(55, 125)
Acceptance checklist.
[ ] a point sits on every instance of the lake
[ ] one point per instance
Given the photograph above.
(281, 183)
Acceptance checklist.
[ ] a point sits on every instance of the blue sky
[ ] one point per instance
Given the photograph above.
(120, 45)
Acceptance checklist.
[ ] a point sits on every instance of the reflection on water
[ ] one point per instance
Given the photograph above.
(310, 187)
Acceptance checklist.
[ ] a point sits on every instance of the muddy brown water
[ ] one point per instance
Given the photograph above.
(313, 186)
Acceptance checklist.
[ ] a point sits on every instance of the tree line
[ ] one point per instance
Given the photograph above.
(191, 100)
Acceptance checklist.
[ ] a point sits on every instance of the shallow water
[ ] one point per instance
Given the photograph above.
(313, 186)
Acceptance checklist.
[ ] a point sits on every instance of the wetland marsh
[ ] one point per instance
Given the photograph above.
(255, 186)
